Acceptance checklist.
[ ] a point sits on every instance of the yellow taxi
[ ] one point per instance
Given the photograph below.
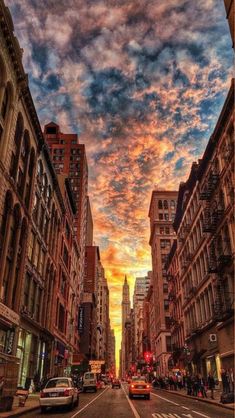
(139, 387)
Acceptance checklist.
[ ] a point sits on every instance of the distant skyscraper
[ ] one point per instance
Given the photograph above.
(126, 309)
(140, 291)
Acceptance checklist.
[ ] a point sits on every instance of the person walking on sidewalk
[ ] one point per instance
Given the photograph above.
(225, 381)
(201, 383)
(211, 384)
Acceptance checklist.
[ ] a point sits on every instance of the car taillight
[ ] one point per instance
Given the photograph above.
(147, 386)
(66, 392)
(42, 395)
(132, 386)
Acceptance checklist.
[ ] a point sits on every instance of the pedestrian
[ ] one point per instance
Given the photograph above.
(225, 381)
(195, 384)
(231, 380)
(189, 384)
(211, 384)
(201, 386)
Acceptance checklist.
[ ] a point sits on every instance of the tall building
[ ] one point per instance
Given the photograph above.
(140, 291)
(88, 333)
(111, 353)
(69, 159)
(161, 213)
(89, 224)
(205, 230)
(126, 308)
(102, 317)
(39, 252)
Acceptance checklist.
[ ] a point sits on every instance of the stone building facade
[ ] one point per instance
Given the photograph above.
(205, 230)
(161, 213)
(39, 253)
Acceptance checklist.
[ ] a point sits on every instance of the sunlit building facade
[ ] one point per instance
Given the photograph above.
(205, 231)
(161, 213)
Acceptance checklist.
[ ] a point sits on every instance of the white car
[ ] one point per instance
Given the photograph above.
(89, 381)
(59, 391)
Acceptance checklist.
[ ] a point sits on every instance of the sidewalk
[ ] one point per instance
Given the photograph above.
(216, 401)
(31, 404)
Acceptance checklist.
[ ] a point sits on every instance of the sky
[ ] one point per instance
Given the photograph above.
(142, 82)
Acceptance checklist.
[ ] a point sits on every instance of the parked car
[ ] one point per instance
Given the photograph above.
(59, 391)
(89, 381)
(116, 383)
(139, 387)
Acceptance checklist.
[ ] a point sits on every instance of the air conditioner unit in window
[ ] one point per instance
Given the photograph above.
(213, 338)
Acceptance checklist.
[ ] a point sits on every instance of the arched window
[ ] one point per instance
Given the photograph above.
(165, 204)
(16, 146)
(5, 103)
(40, 169)
(160, 204)
(48, 197)
(30, 177)
(6, 213)
(173, 204)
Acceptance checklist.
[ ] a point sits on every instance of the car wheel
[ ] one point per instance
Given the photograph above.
(84, 390)
(130, 396)
(95, 390)
(43, 409)
(148, 397)
(71, 405)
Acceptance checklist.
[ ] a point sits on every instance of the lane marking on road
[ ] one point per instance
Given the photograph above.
(185, 407)
(86, 406)
(168, 415)
(165, 399)
(202, 415)
(131, 404)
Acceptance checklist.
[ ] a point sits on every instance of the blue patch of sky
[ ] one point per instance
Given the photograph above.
(40, 54)
(179, 164)
(169, 156)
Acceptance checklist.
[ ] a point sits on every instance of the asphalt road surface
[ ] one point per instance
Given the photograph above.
(114, 403)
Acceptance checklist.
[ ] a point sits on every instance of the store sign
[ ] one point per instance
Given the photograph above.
(95, 365)
(9, 314)
(81, 319)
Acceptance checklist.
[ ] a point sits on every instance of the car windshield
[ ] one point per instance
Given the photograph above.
(57, 383)
(89, 376)
(138, 378)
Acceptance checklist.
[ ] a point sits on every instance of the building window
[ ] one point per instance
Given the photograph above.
(166, 216)
(66, 256)
(26, 290)
(5, 103)
(168, 344)
(165, 204)
(160, 216)
(161, 230)
(167, 231)
(160, 204)
(61, 319)
(166, 305)
(173, 204)
(165, 287)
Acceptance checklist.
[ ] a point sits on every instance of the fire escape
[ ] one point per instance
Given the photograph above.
(219, 255)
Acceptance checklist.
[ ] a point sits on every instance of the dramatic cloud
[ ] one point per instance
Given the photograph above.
(142, 82)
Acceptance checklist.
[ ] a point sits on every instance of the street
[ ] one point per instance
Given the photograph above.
(114, 403)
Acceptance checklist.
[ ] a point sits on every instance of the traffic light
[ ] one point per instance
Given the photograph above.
(148, 356)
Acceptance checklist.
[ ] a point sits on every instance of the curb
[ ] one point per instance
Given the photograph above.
(22, 413)
(221, 405)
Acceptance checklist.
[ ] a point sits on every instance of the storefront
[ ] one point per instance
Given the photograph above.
(9, 321)
(33, 354)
